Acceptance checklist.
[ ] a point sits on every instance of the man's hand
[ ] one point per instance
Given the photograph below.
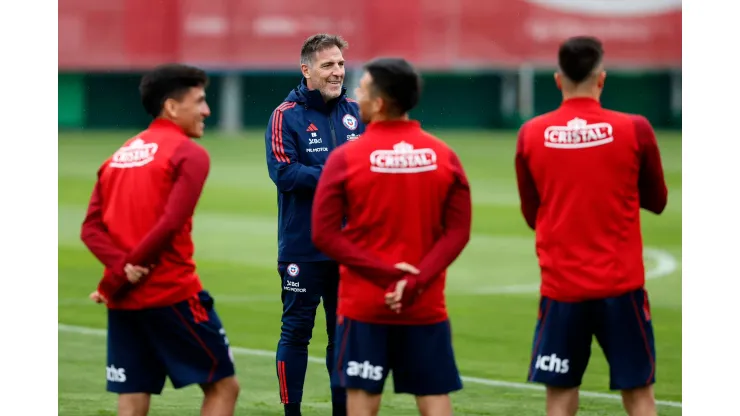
(408, 268)
(135, 273)
(97, 297)
(396, 291)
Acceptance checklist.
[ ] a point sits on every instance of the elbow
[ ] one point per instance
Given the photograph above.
(88, 232)
(324, 244)
(325, 241)
(660, 207)
(657, 207)
(463, 242)
(284, 183)
(530, 215)
(657, 204)
(532, 223)
(465, 236)
(85, 234)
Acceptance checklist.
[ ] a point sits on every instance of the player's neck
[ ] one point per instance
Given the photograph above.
(577, 93)
(167, 120)
(386, 117)
(592, 96)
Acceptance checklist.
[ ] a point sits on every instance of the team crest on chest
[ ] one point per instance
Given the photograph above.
(349, 122)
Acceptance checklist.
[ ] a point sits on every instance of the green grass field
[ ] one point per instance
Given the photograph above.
(491, 288)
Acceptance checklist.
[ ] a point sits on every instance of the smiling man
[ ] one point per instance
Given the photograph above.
(314, 119)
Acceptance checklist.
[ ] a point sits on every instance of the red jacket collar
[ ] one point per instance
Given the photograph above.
(163, 123)
(581, 102)
(393, 124)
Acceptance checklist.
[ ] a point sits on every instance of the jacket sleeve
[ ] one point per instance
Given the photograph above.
(100, 243)
(286, 172)
(457, 222)
(528, 196)
(651, 183)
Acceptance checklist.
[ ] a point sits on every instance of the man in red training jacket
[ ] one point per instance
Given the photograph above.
(583, 173)
(406, 200)
(138, 225)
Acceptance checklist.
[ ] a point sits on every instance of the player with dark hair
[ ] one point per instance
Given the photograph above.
(406, 200)
(314, 119)
(583, 174)
(161, 323)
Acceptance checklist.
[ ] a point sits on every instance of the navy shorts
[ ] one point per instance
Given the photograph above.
(622, 327)
(185, 342)
(419, 356)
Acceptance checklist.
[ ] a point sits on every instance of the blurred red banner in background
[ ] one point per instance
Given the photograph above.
(434, 34)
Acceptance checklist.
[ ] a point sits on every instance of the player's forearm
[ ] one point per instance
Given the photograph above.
(112, 285)
(94, 234)
(297, 177)
(652, 186)
(346, 253)
(651, 182)
(101, 245)
(444, 253)
(192, 167)
(179, 210)
(449, 246)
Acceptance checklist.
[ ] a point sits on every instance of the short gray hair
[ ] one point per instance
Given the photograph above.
(318, 43)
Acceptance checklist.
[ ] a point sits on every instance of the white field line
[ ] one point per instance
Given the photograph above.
(665, 264)
(475, 380)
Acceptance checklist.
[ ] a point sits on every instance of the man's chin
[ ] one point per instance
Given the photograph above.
(196, 133)
(332, 93)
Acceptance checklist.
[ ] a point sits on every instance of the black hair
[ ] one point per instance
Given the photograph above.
(579, 56)
(397, 81)
(318, 43)
(168, 81)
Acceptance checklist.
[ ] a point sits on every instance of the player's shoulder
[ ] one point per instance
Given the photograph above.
(442, 149)
(638, 120)
(283, 115)
(287, 107)
(542, 120)
(637, 123)
(193, 147)
(537, 123)
(434, 141)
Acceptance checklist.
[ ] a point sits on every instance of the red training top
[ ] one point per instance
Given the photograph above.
(405, 198)
(141, 213)
(583, 174)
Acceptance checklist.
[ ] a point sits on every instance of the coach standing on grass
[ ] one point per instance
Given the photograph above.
(314, 119)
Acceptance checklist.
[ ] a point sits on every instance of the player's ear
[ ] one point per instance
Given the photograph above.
(170, 107)
(378, 104)
(602, 79)
(558, 81)
(304, 71)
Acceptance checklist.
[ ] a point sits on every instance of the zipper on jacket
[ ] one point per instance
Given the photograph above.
(333, 133)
